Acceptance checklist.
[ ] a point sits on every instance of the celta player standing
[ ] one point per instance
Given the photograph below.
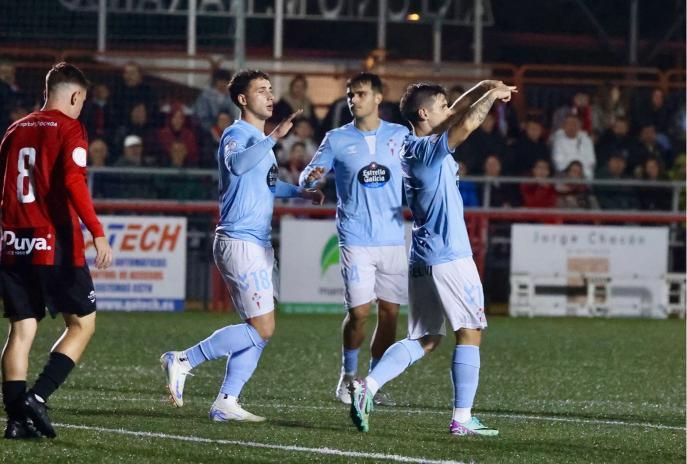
(369, 218)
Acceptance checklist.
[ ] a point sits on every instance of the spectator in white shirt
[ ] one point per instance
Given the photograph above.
(570, 143)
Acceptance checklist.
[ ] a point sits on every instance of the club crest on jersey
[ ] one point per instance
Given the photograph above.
(374, 175)
(272, 176)
(20, 246)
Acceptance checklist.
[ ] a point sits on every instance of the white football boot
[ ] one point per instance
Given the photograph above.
(176, 369)
(226, 408)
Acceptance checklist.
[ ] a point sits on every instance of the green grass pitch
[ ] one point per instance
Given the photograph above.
(559, 390)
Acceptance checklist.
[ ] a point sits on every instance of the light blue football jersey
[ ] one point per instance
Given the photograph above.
(430, 178)
(369, 183)
(248, 184)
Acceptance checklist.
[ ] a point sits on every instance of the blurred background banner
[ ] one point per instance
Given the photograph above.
(148, 272)
(590, 270)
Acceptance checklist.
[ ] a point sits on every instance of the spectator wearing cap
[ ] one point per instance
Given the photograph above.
(132, 155)
(571, 143)
(215, 100)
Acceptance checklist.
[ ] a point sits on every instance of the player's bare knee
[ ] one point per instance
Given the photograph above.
(84, 326)
(359, 314)
(388, 310)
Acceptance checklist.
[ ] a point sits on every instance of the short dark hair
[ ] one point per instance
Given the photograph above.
(241, 81)
(64, 73)
(416, 96)
(366, 78)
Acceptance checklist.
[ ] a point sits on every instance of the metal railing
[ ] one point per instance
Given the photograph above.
(146, 175)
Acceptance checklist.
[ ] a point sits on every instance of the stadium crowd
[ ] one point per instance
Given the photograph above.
(611, 134)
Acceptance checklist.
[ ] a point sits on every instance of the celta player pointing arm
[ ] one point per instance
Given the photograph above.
(443, 281)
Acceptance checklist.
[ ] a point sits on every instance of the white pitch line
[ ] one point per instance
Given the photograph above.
(545, 418)
(252, 444)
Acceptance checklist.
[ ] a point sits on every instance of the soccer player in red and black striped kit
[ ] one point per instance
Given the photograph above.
(44, 194)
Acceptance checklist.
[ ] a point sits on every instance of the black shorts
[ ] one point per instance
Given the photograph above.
(29, 289)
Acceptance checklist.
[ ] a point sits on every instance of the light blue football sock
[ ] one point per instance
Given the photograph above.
(465, 375)
(396, 359)
(373, 363)
(240, 368)
(349, 360)
(223, 342)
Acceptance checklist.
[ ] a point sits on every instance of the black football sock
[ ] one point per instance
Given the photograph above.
(54, 374)
(12, 392)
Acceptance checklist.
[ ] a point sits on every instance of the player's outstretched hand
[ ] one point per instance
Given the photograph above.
(285, 126)
(503, 92)
(315, 195)
(103, 257)
(315, 174)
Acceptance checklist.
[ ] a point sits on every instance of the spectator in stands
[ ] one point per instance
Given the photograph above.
(296, 98)
(210, 144)
(646, 146)
(527, 149)
(177, 129)
(570, 143)
(679, 173)
(500, 194)
(18, 110)
(297, 160)
(302, 132)
(97, 153)
(178, 154)
(538, 194)
(654, 198)
(486, 140)
(98, 113)
(653, 111)
(615, 139)
(337, 115)
(132, 91)
(10, 93)
(576, 196)
(615, 196)
(579, 107)
(215, 100)
(139, 125)
(467, 188)
(609, 105)
(132, 156)
(389, 110)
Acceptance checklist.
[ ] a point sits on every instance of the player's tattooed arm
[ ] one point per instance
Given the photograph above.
(460, 126)
(466, 100)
